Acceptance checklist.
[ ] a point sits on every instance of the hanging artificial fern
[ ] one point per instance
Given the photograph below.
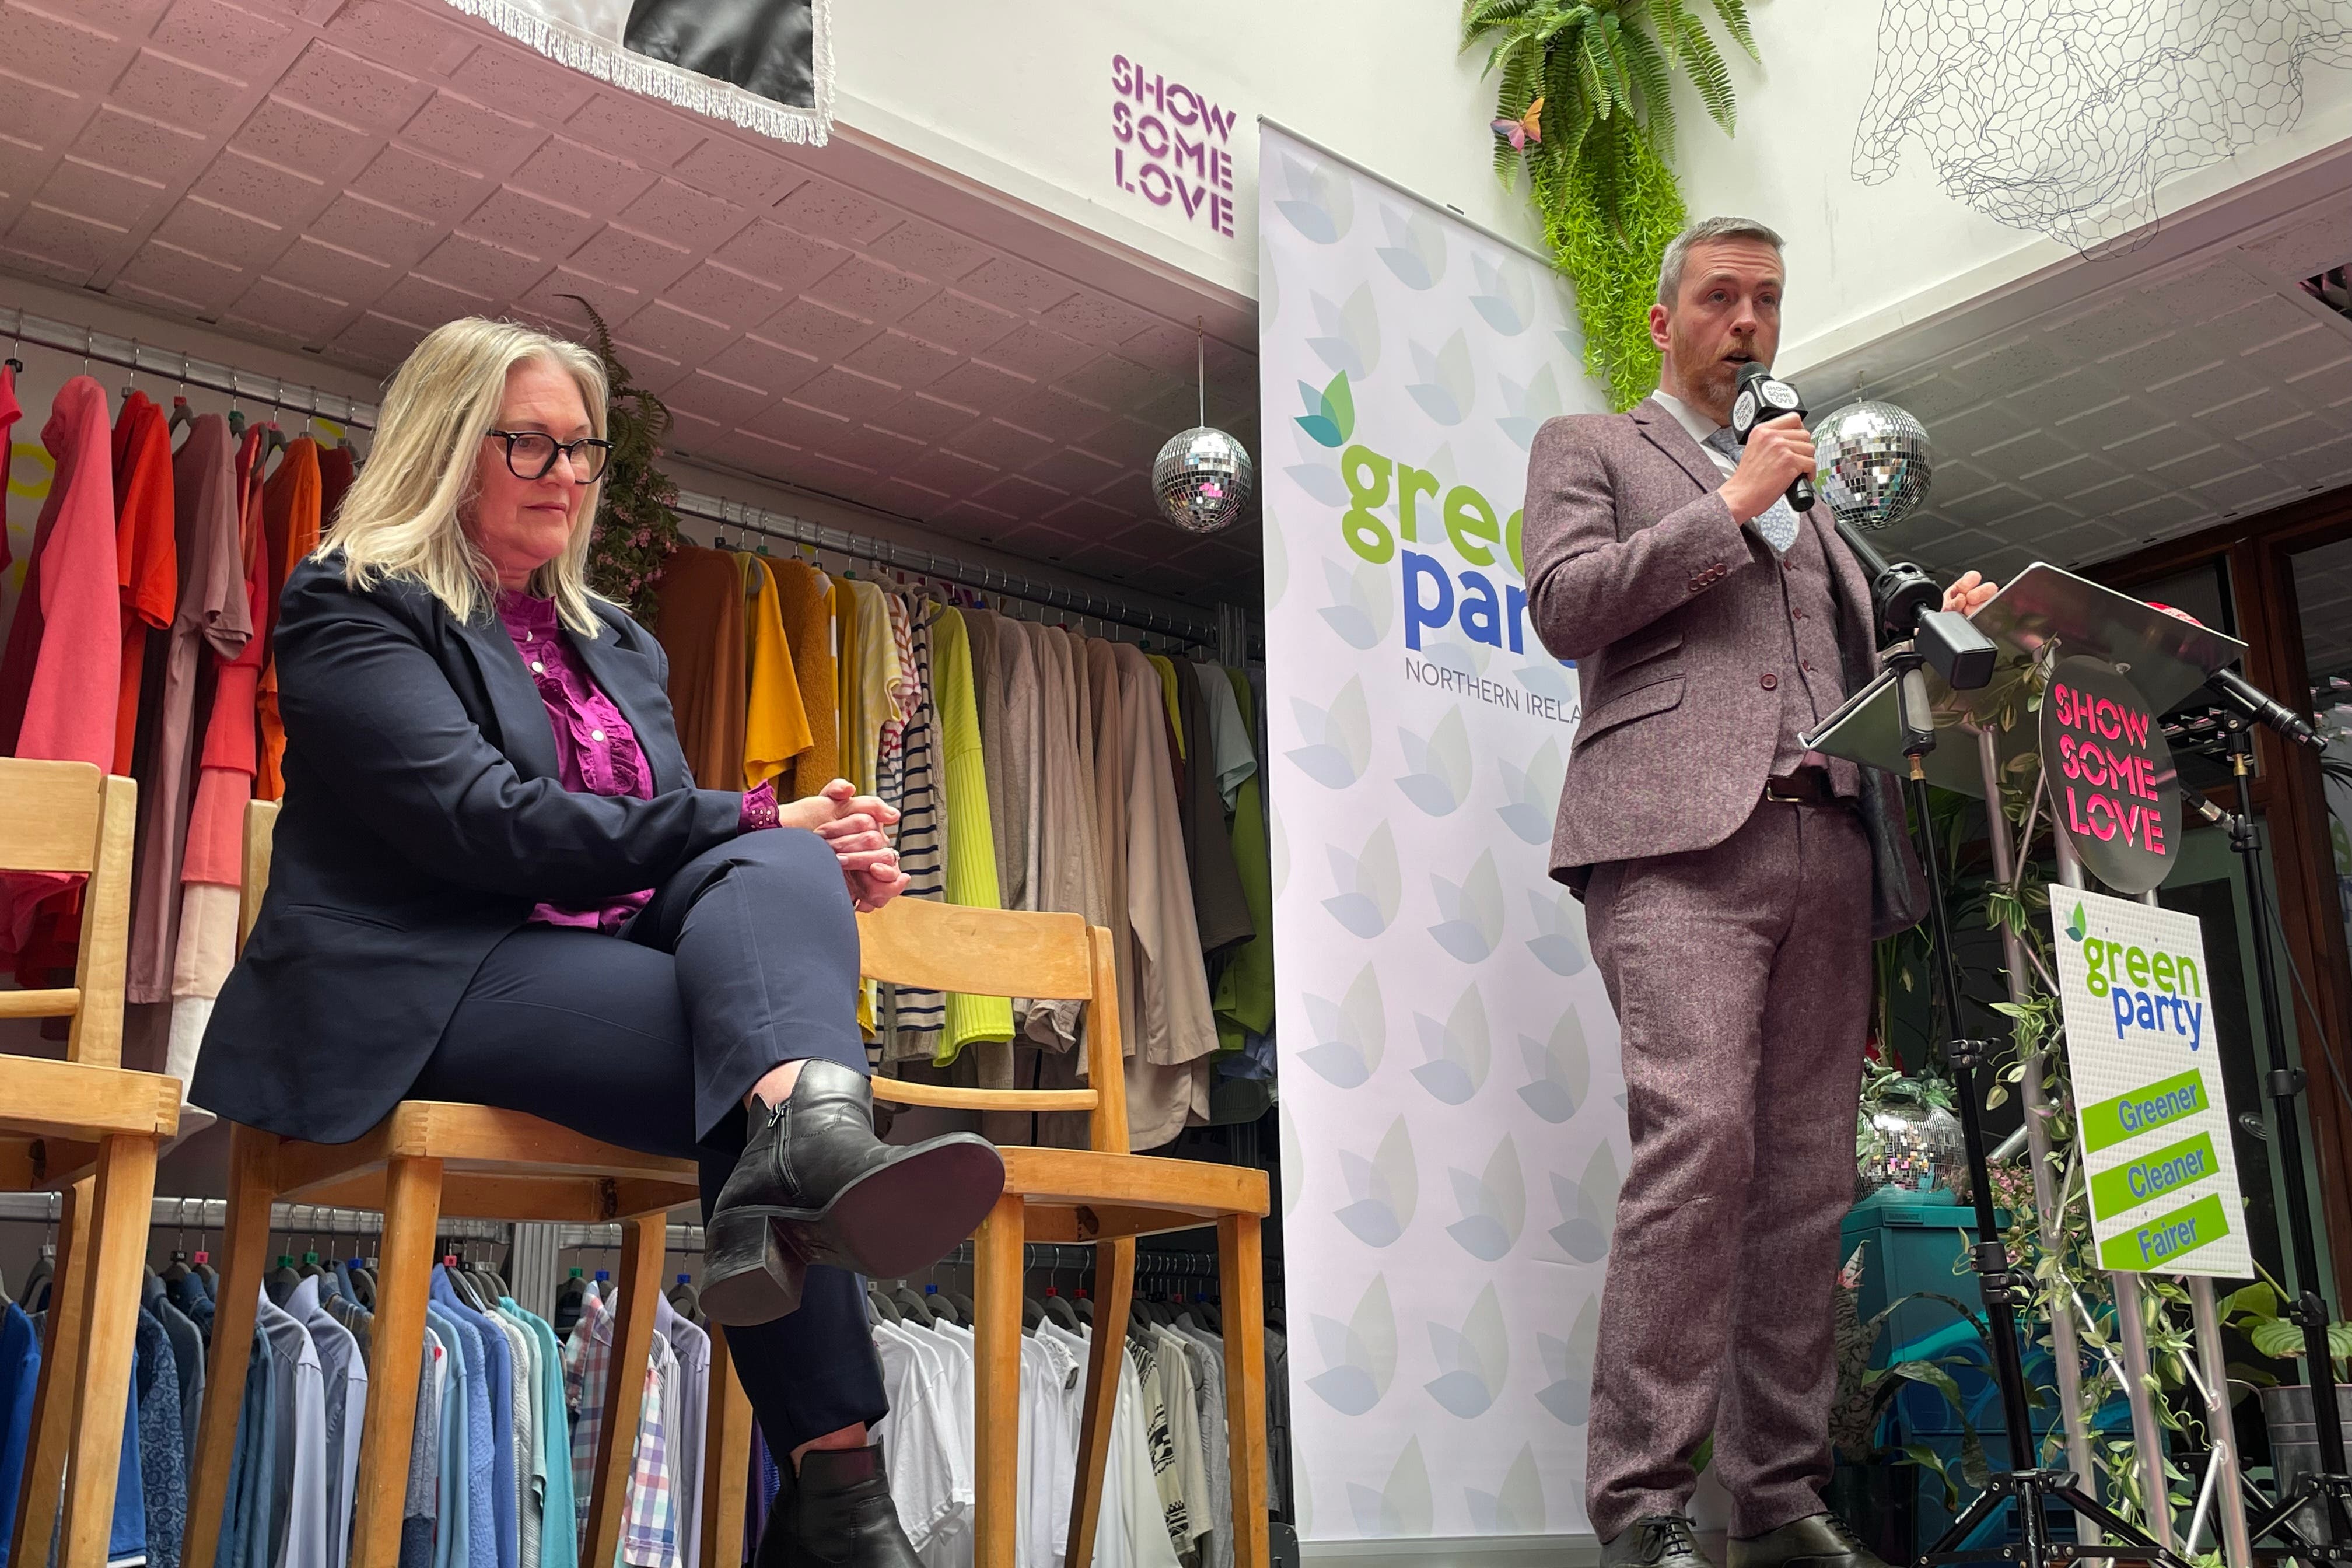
(1589, 82)
(636, 528)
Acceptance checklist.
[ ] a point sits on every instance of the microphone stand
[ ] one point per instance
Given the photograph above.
(2328, 1490)
(1905, 609)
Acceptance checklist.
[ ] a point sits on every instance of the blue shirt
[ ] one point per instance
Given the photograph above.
(497, 1359)
(20, 1372)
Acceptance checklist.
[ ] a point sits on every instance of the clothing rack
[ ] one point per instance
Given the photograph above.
(1226, 634)
(607, 1239)
(212, 1215)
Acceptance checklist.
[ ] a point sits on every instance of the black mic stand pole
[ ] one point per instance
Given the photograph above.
(2004, 1290)
(2328, 1490)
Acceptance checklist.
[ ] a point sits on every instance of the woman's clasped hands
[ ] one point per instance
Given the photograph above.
(853, 826)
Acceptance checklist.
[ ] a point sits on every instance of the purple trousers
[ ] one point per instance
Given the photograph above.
(1741, 977)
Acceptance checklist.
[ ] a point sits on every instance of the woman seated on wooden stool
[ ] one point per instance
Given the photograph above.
(494, 881)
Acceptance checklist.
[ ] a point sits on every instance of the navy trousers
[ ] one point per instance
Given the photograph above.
(744, 960)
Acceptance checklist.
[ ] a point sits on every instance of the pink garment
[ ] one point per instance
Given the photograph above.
(61, 676)
(596, 752)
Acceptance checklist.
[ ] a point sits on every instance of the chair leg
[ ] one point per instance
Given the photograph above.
(117, 1248)
(56, 1394)
(245, 1247)
(1241, 1270)
(412, 1212)
(726, 1458)
(1114, 1293)
(643, 1240)
(997, 1255)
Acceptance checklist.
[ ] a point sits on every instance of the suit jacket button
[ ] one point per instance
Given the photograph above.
(1769, 681)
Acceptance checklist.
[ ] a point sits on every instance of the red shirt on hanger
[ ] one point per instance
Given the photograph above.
(146, 557)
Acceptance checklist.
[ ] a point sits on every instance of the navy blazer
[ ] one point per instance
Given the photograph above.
(423, 818)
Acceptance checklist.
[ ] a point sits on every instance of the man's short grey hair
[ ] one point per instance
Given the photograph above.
(1670, 266)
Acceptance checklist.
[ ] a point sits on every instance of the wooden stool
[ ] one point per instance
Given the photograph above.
(1101, 1195)
(85, 1126)
(424, 1160)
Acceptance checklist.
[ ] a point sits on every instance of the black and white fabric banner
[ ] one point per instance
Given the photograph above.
(766, 65)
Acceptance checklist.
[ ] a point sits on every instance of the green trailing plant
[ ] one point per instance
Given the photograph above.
(1590, 86)
(636, 525)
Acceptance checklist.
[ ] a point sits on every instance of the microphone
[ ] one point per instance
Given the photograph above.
(2259, 705)
(1763, 395)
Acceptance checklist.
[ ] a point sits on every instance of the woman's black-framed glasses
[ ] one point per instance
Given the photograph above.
(531, 453)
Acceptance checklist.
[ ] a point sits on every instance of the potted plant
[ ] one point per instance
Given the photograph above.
(637, 529)
(2258, 1311)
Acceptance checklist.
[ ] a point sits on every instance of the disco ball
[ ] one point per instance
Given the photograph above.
(1201, 478)
(1874, 465)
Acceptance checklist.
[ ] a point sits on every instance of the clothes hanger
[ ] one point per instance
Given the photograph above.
(879, 1307)
(917, 1308)
(15, 360)
(181, 414)
(1056, 1307)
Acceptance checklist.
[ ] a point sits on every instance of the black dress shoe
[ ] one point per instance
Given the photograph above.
(1818, 1541)
(837, 1513)
(816, 1186)
(1655, 1540)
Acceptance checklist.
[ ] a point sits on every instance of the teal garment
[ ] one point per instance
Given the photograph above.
(453, 1544)
(558, 1541)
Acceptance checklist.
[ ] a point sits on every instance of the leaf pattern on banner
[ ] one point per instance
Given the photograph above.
(1330, 416)
(1351, 1034)
(1320, 203)
(1567, 1393)
(1560, 1070)
(1438, 775)
(1361, 608)
(1494, 1204)
(1416, 248)
(1559, 944)
(1527, 408)
(1359, 1355)
(1457, 653)
(1472, 1362)
(1549, 677)
(1586, 1207)
(1517, 1508)
(1386, 1188)
(1532, 793)
(1444, 389)
(1369, 884)
(1402, 1505)
(1458, 1049)
(1504, 297)
(1351, 342)
(1471, 911)
(1339, 737)
(1318, 470)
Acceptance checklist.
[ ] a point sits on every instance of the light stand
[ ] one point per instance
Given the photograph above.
(1905, 601)
(2329, 1489)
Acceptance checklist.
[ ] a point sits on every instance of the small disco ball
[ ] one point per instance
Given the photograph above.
(1201, 478)
(1874, 465)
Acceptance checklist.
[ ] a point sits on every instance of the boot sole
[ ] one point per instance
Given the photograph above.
(886, 1225)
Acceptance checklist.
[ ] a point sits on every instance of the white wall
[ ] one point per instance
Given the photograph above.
(1020, 98)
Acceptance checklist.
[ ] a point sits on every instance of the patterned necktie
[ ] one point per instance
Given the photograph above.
(1777, 522)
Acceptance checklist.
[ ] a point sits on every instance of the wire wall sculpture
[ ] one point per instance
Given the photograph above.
(2063, 117)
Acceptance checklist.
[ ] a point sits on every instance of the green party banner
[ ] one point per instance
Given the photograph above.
(2147, 1071)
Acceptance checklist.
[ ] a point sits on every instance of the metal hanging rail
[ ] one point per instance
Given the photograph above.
(96, 347)
(284, 1219)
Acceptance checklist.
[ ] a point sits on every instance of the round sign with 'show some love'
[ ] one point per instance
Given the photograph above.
(2112, 785)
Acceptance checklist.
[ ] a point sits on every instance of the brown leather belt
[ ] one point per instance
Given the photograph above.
(1806, 786)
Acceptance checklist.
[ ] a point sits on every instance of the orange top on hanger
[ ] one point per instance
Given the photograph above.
(290, 510)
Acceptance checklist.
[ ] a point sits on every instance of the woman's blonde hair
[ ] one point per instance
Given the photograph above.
(401, 516)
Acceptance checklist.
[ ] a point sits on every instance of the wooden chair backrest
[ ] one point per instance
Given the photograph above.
(1007, 953)
(72, 817)
(260, 829)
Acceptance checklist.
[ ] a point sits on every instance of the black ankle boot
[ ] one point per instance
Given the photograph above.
(836, 1513)
(816, 1186)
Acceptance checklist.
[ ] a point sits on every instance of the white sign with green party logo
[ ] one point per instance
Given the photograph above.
(1452, 1120)
(2149, 1108)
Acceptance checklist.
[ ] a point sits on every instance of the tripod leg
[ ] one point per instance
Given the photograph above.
(2120, 1530)
(1981, 1508)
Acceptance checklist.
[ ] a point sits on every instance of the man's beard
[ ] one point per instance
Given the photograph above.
(1707, 378)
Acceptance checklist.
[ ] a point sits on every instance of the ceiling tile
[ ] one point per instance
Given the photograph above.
(779, 257)
(531, 226)
(427, 303)
(480, 268)
(470, 135)
(871, 289)
(2204, 293)
(771, 367)
(679, 334)
(1115, 383)
(2306, 250)
(925, 417)
(1001, 446)
(1039, 353)
(953, 321)
(520, 82)
(2197, 467)
(927, 251)
(202, 283)
(231, 38)
(550, 297)
(323, 269)
(844, 391)
(635, 260)
(815, 328)
(425, 186)
(715, 399)
(1014, 284)
(712, 290)
(1020, 495)
(283, 308)
(1073, 471)
(177, 92)
(257, 189)
(981, 386)
(99, 193)
(65, 239)
(873, 448)
(1098, 319)
(399, 35)
(377, 341)
(819, 207)
(683, 215)
(45, 47)
(292, 137)
(363, 92)
(126, 141)
(37, 113)
(797, 424)
(581, 176)
(634, 127)
(902, 359)
(897, 493)
(723, 166)
(383, 233)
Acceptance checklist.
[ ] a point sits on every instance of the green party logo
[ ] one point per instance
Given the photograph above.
(1330, 416)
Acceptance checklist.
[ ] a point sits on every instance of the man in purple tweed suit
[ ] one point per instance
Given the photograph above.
(1732, 884)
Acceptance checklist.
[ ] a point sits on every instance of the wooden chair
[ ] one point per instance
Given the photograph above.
(86, 1127)
(424, 1160)
(1101, 1195)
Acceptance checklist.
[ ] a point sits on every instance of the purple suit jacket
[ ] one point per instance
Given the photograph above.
(1672, 611)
